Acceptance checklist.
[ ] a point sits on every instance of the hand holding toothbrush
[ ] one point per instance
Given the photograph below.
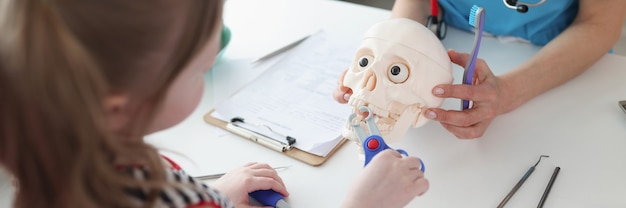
(487, 94)
(481, 91)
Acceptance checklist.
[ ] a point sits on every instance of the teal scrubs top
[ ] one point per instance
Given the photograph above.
(539, 25)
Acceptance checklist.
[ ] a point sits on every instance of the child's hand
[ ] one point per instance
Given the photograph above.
(389, 180)
(237, 183)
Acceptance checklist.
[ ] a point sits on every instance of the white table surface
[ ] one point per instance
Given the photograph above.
(578, 124)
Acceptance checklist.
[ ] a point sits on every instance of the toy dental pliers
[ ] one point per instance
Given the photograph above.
(374, 143)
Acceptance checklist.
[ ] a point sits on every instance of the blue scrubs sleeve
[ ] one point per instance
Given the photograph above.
(539, 25)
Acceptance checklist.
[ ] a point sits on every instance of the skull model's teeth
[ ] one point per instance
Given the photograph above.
(376, 110)
(356, 103)
(379, 111)
(383, 128)
(382, 117)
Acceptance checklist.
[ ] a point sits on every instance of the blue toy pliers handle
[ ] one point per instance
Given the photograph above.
(374, 143)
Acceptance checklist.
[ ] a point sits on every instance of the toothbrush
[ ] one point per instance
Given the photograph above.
(476, 20)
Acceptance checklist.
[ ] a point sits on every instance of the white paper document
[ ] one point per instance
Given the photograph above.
(294, 97)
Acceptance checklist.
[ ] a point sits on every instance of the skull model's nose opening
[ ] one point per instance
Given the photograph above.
(369, 81)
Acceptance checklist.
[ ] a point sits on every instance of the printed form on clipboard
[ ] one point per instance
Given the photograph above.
(294, 97)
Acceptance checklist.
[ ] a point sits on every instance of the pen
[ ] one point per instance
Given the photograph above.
(281, 49)
(520, 182)
(549, 187)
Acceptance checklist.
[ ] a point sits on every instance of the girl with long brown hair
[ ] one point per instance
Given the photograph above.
(81, 83)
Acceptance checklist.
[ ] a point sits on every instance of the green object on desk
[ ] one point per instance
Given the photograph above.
(224, 40)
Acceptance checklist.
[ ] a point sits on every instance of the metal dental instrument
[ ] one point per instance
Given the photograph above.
(520, 182)
(218, 175)
(549, 187)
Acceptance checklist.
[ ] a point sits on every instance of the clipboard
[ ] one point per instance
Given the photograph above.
(282, 101)
(294, 152)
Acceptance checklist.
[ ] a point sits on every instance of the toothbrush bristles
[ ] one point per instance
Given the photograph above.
(473, 16)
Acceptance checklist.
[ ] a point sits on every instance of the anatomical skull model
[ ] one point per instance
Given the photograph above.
(393, 73)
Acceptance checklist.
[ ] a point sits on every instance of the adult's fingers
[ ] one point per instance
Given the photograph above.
(467, 132)
(464, 118)
(342, 93)
(459, 58)
(482, 70)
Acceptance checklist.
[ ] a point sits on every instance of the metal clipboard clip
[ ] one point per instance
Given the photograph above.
(241, 128)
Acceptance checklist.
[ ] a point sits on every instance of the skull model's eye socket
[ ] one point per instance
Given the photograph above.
(365, 61)
(398, 73)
